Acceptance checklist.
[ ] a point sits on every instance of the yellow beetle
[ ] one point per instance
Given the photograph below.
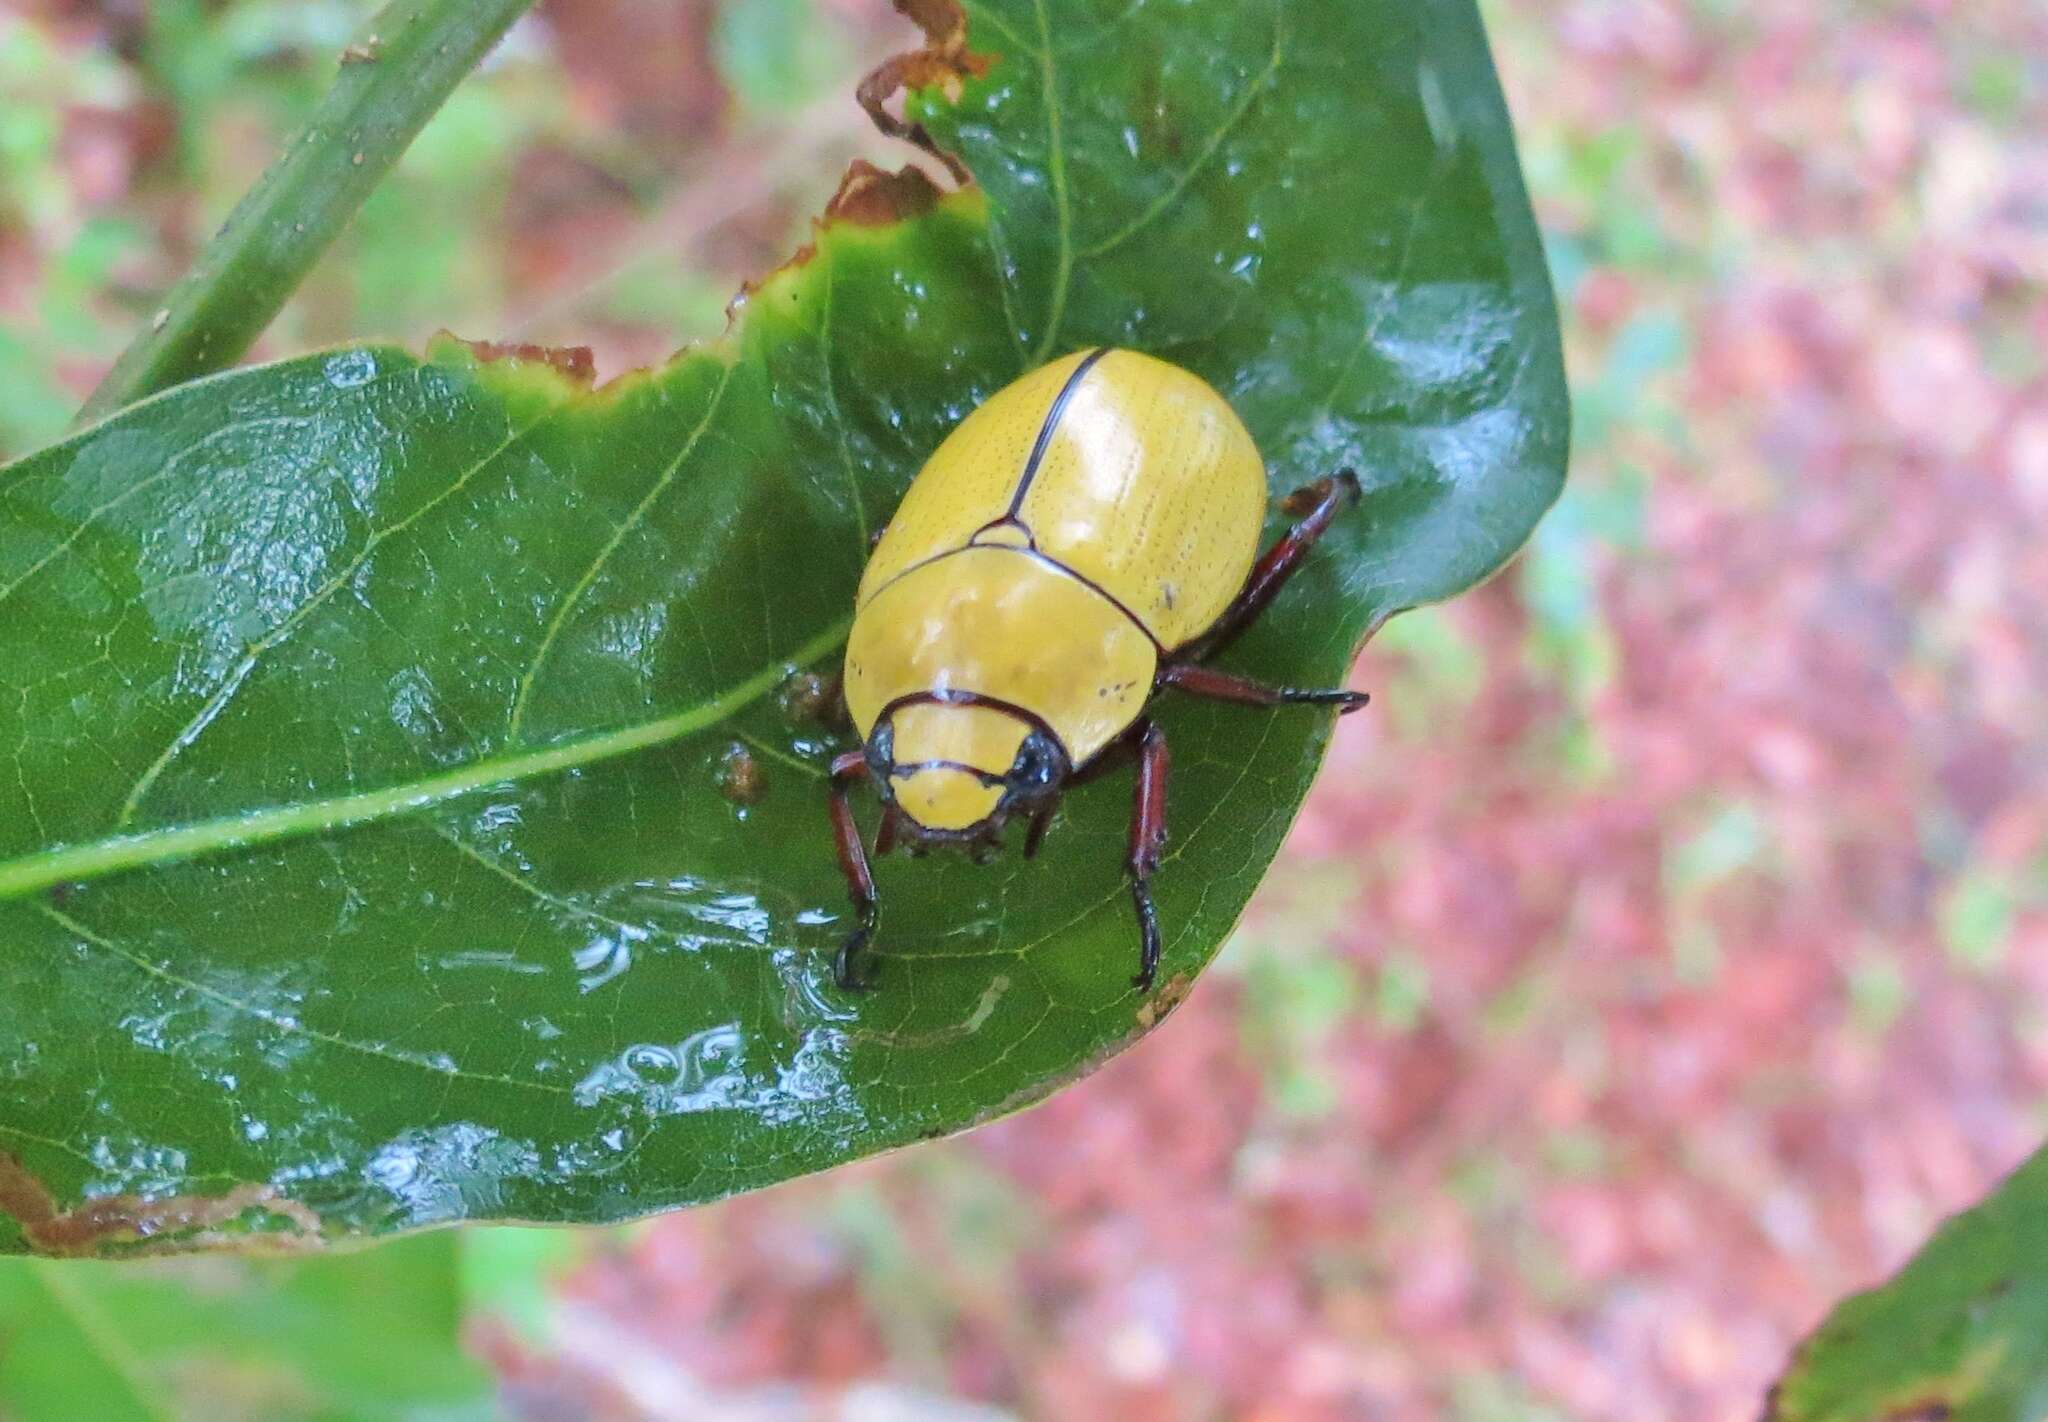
(1079, 542)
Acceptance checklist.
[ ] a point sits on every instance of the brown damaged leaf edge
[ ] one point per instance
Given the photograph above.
(166, 1225)
(578, 363)
(945, 63)
(874, 197)
(867, 197)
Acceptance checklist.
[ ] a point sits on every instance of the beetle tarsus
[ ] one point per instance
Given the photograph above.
(1148, 934)
(846, 970)
(1216, 685)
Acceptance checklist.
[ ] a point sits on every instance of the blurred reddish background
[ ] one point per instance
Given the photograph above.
(1659, 960)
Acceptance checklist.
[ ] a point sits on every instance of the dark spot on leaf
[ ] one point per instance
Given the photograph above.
(1151, 115)
(740, 778)
(809, 697)
(1929, 1411)
(576, 362)
(945, 63)
(870, 197)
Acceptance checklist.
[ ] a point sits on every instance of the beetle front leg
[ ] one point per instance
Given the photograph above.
(1148, 833)
(853, 863)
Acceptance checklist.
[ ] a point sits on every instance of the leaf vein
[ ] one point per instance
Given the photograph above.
(238, 676)
(860, 512)
(281, 1022)
(29, 873)
(604, 555)
(1160, 204)
(171, 467)
(1056, 172)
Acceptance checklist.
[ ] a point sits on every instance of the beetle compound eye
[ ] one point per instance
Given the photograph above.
(1039, 765)
(881, 752)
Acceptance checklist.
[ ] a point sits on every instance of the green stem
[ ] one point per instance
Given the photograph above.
(389, 86)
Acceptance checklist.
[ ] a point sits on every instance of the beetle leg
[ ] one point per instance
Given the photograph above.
(1326, 499)
(1148, 833)
(1039, 821)
(853, 863)
(885, 837)
(1224, 686)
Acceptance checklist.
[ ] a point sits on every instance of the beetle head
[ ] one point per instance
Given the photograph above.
(957, 770)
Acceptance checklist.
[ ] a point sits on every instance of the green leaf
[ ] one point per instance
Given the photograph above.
(1960, 1334)
(366, 1337)
(364, 718)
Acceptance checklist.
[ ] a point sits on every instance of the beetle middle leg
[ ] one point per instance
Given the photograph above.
(1148, 833)
(853, 863)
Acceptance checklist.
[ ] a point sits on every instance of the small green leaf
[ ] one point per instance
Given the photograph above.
(366, 1337)
(370, 851)
(1960, 1334)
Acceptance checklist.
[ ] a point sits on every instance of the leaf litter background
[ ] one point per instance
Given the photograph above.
(1660, 958)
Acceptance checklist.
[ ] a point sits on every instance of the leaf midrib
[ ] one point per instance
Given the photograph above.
(75, 863)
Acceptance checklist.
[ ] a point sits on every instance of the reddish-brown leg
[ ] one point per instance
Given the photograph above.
(1223, 686)
(853, 863)
(885, 837)
(1325, 499)
(1148, 833)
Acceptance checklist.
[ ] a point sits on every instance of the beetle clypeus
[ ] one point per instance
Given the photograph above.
(1081, 541)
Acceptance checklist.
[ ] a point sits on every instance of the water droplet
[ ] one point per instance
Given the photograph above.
(349, 369)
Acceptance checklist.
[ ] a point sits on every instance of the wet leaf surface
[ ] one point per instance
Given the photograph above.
(367, 836)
